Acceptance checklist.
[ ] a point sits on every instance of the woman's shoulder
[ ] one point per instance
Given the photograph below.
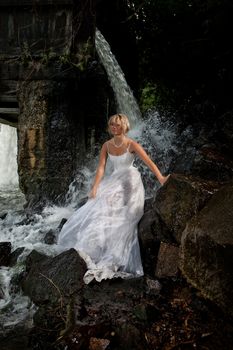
(131, 141)
(131, 145)
(106, 143)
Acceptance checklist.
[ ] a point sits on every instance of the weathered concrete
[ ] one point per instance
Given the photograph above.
(50, 139)
(52, 89)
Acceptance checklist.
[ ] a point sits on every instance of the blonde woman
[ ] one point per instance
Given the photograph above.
(104, 230)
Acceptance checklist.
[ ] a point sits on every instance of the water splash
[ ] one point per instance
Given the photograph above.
(158, 137)
(126, 102)
(15, 307)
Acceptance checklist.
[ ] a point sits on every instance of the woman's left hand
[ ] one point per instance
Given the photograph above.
(164, 179)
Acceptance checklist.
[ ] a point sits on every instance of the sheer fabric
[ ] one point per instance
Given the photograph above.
(104, 230)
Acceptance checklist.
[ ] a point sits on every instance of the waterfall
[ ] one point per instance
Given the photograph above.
(126, 102)
(8, 156)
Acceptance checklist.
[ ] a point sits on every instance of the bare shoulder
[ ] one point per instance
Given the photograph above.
(105, 144)
(130, 141)
(104, 147)
(134, 145)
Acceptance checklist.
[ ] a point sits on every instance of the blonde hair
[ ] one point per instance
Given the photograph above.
(123, 120)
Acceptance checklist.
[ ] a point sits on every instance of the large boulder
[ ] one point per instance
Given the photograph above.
(180, 199)
(49, 280)
(207, 249)
(168, 261)
(151, 231)
(165, 219)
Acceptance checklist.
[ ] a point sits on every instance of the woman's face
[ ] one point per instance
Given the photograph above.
(115, 127)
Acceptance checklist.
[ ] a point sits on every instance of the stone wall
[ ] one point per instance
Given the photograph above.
(49, 72)
(51, 139)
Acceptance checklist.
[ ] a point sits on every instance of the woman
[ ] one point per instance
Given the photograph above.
(104, 230)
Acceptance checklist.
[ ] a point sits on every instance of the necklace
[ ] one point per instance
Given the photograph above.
(118, 146)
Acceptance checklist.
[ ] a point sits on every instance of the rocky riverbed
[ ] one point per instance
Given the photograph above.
(182, 302)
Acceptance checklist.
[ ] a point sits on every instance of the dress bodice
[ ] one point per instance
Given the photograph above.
(123, 161)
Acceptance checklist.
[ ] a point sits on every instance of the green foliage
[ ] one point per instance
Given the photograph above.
(48, 57)
(148, 98)
(155, 96)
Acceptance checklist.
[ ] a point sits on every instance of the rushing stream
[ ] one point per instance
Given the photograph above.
(156, 136)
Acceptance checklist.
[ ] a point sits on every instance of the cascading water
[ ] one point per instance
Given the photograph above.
(157, 140)
(126, 102)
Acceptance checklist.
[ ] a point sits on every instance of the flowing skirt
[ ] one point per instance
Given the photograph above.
(104, 230)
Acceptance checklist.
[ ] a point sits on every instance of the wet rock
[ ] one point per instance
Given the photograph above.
(168, 261)
(207, 249)
(51, 235)
(149, 245)
(151, 231)
(81, 202)
(146, 312)
(48, 280)
(129, 337)
(180, 199)
(5, 250)
(98, 344)
(1, 293)
(15, 254)
(122, 291)
(151, 228)
(63, 221)
(34, 258)
(153, 286)
(3, 216)
(148, 204)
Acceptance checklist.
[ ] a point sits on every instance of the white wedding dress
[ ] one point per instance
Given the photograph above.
(104, 230)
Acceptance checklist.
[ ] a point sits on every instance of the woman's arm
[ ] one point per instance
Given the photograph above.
(100, 171)
(139, 150)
